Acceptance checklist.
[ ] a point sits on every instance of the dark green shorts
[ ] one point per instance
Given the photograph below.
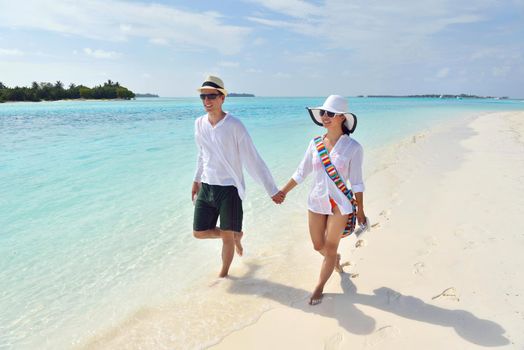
(215, 201)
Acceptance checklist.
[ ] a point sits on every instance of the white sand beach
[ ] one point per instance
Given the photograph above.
(443, 265)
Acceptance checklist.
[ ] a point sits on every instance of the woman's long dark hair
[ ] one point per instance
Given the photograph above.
(345, 130)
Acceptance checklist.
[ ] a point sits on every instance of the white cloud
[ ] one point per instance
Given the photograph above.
(373, 30)
(101, 53)
(11, 52)
(281, 75)
(159, 41)
(228, 64)
(115, 20)
(259, 42)
(293, 8)
(146, 75)
(442, 73)
(307, 57)
(501, 71)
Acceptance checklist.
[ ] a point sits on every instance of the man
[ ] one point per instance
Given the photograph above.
(224, 147)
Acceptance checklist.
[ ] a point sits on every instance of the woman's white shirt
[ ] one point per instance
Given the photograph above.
(347, 156)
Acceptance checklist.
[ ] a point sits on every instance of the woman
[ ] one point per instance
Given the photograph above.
(332, 209)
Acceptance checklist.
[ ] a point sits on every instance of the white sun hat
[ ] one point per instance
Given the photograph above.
(213, 82)
(335, 104)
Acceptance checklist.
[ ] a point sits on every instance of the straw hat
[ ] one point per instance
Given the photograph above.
(213, 82)
(335, 104)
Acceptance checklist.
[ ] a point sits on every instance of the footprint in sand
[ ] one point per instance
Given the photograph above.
(382, 334)
(469, 245)
(385, 213)
(360, 243)
(333, 342)
(346, 263)
(393, 296)
(450, 293)
(431, 240)
(418, 268)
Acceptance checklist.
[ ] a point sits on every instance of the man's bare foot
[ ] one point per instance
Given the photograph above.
(316, 297)
(338, 267)
(238, 246)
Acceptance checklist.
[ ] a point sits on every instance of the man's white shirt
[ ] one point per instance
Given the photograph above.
(223, 150)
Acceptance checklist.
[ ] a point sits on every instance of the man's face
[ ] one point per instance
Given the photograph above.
(212, 104)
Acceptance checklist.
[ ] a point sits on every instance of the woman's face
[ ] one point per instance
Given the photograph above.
(333, 122)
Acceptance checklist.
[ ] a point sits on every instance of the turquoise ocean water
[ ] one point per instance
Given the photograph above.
(95, 209)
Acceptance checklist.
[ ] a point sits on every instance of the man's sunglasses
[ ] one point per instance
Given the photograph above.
(209, 96)
(329, 114)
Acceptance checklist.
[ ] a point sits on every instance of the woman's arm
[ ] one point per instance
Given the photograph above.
(289, 186)
(361, 216)
(304, 169)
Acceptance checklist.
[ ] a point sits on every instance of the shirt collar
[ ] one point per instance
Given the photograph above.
(222, 121)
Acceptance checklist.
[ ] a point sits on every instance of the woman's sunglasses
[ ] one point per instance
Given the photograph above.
(209, 96)
(329, 114)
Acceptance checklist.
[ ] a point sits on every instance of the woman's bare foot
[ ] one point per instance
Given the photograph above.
(338, 267)
(316, 297)
(238, 246)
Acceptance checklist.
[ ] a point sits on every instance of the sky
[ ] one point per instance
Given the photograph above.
(269, 47)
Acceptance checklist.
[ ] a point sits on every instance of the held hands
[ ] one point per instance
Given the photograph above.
(279, 197)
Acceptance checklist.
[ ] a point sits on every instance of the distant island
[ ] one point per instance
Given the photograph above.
(146, 95)
(235, 94)
(437, 96)
(53, 92)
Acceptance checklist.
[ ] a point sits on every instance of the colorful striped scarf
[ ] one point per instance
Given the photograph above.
(333, 174)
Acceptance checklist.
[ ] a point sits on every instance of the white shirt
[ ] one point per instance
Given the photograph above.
(346, 155)
(223, 150)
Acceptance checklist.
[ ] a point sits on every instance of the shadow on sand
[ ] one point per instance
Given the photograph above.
(342, 308)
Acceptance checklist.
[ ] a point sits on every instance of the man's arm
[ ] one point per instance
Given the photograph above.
(255, 165)
(199, 168)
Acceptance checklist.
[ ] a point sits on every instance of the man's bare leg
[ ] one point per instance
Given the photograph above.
(238, 246)
(228, 252)
(217, 233)
(211, 233)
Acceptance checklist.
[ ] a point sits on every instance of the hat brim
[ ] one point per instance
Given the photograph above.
(350, 122)
(223, 91)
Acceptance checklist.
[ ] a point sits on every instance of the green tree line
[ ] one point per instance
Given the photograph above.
(52, 92)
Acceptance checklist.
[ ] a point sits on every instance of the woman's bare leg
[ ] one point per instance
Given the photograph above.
(318, 232)
(317, 229)
(334, 227)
